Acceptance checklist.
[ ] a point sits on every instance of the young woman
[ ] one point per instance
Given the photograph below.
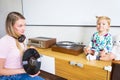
(11, 50)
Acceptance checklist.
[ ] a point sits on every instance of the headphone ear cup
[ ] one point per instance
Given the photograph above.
(21, 38)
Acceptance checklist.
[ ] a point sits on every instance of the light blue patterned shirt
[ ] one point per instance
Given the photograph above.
(98, 42)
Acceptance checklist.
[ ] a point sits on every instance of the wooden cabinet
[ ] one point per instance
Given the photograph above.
(79, 68)
(73, 72)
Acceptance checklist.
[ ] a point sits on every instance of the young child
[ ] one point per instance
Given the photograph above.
(101, 44)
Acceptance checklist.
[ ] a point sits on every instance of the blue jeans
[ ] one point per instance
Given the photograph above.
(20, 77)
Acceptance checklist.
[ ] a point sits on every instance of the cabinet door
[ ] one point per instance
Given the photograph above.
(73, 72)
(48, 64)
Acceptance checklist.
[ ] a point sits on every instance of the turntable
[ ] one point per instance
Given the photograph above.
(68, 47)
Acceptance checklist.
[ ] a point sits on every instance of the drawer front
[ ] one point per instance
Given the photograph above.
(73, 72)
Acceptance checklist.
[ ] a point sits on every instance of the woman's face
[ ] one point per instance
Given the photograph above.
(19, 26)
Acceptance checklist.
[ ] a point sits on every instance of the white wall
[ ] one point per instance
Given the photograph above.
(7, 6)
(70, 12)
(76, 34)
(60, 33)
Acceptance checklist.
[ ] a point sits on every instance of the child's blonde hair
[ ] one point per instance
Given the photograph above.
(103, 18)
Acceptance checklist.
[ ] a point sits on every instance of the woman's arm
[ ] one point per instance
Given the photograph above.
(5, 71)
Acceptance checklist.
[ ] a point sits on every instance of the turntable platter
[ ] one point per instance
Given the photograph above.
(66, 44)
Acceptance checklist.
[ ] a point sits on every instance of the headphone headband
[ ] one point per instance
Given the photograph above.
(21, 38)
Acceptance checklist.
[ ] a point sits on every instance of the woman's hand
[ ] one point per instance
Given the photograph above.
(32, 47)
(35, 74)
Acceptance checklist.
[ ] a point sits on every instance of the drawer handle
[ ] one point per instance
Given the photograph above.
(76, 64)
(73, 63)
(80, 65)
(108, 68)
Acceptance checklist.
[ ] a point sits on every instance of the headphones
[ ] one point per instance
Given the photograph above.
(21, 38)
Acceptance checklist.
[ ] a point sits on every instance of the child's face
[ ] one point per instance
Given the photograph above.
(102, 25)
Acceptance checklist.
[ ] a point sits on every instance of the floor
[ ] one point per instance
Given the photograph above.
(49, 76)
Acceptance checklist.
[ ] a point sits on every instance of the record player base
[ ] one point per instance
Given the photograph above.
(73, 51)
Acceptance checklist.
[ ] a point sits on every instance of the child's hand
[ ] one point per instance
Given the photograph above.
(92, 52)
(102, 52)
(86, 50)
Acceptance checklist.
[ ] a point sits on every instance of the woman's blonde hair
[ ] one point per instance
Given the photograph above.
(10, 21)
(103, 18)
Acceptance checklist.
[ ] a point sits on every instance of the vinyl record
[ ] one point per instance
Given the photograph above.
(31, 61)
